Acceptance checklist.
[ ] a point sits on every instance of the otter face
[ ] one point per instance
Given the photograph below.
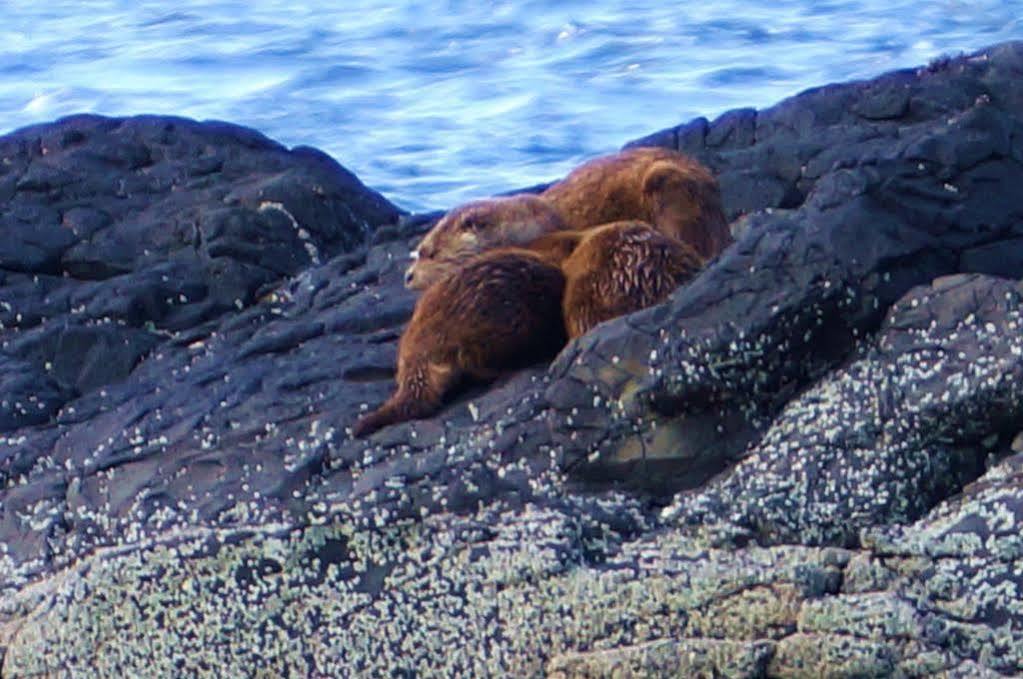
(477, 227)
(451, 242)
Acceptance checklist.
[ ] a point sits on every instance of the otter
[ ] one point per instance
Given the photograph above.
(662, 187)
(510, 307)
(500, 311)
(617, 269)
(476, 227)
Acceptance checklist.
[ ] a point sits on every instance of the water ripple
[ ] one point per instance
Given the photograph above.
(436, 102)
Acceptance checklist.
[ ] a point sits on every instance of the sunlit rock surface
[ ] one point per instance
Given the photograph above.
(806, 463)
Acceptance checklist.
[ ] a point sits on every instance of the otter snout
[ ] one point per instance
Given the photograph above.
(410, 272)
(423, 273)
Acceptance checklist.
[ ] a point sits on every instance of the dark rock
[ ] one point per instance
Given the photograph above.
(87, 358)
(28, 395)
(805, 463)
(111, 244)
(734, 130)
(789, 301)
(933, 393)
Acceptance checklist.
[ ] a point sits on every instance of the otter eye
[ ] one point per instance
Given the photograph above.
(414, 255)
(472, 224)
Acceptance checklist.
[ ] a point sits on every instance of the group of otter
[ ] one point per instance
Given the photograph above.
(508, 281)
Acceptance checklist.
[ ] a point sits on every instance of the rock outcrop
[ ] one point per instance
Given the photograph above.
(806, 463)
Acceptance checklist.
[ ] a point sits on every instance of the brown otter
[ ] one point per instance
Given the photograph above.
(659, 186)
(477, 227)
(619, 268)
(501, 310)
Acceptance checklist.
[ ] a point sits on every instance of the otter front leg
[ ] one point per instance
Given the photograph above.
(420, 394)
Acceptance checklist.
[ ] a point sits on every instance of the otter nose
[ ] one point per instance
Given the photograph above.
(409, 275)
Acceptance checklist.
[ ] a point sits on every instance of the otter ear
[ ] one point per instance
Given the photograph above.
(663, 178)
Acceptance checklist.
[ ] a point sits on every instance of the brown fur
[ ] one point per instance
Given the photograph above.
(477, 227)
(501, 310)
(665, 188)
(619, 268)
(556, 247)
(662, 187)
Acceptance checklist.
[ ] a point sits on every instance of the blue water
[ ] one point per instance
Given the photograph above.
(434, 103)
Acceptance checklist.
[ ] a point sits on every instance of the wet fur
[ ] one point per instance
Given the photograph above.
(617, 269)
(555, 248)
(477, 227)
(500, 311)
(662, 187)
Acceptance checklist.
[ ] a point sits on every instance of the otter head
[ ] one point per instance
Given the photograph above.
(477, 227)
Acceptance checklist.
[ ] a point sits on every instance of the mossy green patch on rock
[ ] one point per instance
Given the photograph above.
(441, 597)
(755, 613)
(869, 616)
(827, 656)
(691, 658)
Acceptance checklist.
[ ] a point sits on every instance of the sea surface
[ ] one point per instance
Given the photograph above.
(434, 103)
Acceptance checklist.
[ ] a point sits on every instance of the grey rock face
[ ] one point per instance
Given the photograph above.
(889, 435)
(160, 235)
(806, 463)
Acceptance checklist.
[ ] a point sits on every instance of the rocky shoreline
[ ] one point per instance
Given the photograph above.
(807, 463)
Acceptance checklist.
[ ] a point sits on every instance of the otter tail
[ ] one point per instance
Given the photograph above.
(394, 410)
(419, 395)
(388, 413)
